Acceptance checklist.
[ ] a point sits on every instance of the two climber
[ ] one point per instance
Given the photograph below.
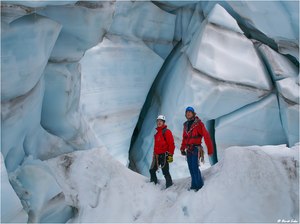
(193, 132)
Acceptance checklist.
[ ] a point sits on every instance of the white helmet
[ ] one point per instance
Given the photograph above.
(161, 117)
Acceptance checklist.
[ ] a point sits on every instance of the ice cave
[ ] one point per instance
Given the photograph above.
(82, 83)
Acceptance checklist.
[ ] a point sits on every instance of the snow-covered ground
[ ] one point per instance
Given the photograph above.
(250, 184)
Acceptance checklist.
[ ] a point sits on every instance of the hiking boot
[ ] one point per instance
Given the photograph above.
(154, 181)
(168, 185)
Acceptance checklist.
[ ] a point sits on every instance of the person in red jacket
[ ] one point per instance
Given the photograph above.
(193, 132)
(163, 151)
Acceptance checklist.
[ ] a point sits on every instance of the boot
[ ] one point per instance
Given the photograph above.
(169, 181)
(153, 177)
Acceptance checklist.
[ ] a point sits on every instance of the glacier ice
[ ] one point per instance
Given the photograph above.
(221, 17)
(212, 88)
(83, 26)
(113, 92)
(18, 117)
(23, 133)
(41, 195)
(235, 62)
(23, 60)
(238, 127)
(60, 111)
(143, 21)
(279, 66)
(41, 3)
(257, 18)
(221, 50)
(13, 210)
(289, 89)
(184, 17)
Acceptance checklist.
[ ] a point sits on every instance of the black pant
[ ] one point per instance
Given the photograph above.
(160, 160)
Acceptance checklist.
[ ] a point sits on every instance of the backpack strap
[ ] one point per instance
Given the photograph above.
(164, 132)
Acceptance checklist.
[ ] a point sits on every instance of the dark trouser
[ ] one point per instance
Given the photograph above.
(193, 163)
(160, 160)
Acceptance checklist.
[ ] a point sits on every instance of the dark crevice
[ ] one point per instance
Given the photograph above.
(211, 129)
(252, 32)
(147, 105)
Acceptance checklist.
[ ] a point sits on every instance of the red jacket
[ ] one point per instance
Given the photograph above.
(163, 143)
(194, 136)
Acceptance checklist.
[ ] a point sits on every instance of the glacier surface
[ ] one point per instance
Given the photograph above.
(93, 76)
(267, 180)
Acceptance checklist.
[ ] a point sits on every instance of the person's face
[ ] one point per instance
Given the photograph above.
(160, 123)
(189, 114)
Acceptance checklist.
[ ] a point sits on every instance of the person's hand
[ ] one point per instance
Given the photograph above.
(170, 158)
(183, 152)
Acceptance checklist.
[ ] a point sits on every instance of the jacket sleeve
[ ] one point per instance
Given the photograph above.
(207, 139)
(170, 141)
(183, 143)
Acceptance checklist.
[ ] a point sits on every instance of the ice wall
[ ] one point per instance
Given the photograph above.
(222, 74)
(118, 73)
(79, 75)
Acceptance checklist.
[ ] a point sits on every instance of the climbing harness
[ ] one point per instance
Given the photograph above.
(155, 160)
(200, 155)
(200, 152)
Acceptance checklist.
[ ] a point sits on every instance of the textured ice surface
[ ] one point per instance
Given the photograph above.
(114, 91)
(60, 113)
(83, 26)
(144, 21)
(289, 107)
(257, 18)
(41, 3)
(232, 67)
(279, 66)
(239, 128)
(42, 196)
(220, 16)
(227, 56)
(13, 210)
(22, 57)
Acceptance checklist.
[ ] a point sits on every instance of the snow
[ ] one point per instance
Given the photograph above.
(264, 178)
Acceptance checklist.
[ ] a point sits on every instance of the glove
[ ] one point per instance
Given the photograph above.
(170, 158)
(183, 152)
